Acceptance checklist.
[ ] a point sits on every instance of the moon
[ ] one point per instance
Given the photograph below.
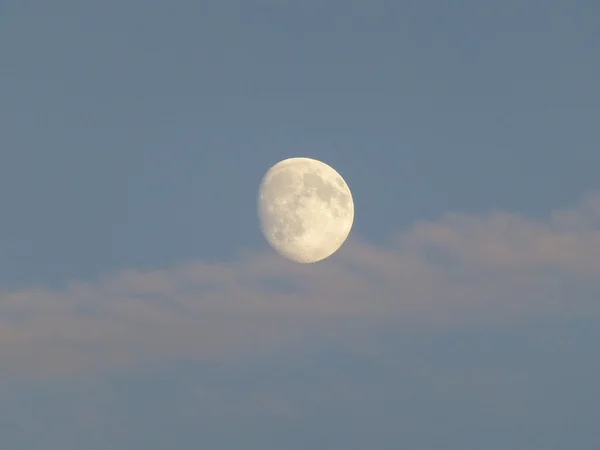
(305, 209)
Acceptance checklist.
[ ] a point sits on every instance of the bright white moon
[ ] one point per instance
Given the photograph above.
(305, 209)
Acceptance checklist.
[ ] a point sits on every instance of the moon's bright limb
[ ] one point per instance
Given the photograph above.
(305, 208)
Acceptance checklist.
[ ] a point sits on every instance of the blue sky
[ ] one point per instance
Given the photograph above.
(140, 307)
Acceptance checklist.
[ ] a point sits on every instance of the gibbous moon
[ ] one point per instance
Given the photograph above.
(305, 209)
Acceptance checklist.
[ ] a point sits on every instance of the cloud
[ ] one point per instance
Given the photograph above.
(568, 241)
(460, 270)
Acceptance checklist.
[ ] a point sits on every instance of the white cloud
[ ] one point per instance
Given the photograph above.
(462, 269)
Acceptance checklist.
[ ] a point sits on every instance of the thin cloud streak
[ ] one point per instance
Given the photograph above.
(463, 269)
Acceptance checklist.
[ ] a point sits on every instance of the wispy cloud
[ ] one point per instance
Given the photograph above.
(461, 269)
(569, 240)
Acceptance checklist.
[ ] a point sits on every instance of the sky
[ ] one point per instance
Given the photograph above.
(140, 306)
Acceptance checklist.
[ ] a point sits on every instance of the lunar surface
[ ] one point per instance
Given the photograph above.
(305, 209)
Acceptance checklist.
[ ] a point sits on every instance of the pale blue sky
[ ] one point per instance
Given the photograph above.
(133, 136)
